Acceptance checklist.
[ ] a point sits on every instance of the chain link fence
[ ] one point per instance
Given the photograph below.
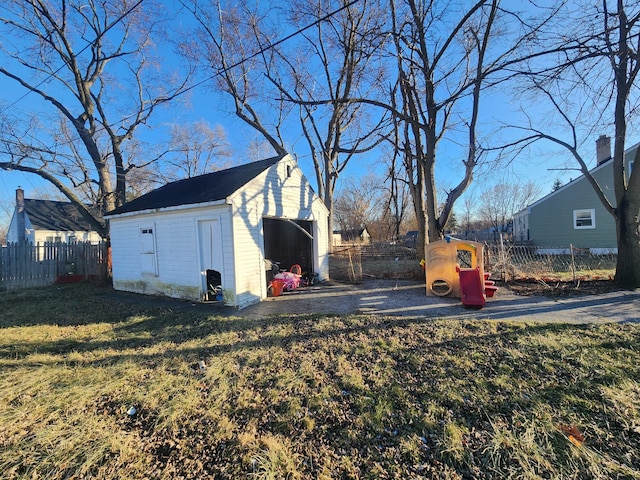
(515, 262)
(355, 262)
(505, 262)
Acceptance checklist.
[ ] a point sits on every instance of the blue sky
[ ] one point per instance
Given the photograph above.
(534, 165)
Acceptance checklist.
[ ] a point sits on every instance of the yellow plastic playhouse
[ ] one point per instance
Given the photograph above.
(455, 268)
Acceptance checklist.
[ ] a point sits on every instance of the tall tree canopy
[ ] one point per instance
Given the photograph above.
(88, 72)
(589, 81)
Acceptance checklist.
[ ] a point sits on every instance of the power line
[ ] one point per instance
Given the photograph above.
(254, 55)
(50, 75)
(288, 37)
(261, 51)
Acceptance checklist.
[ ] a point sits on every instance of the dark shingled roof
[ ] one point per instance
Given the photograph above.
(57, 216)
(201, 189)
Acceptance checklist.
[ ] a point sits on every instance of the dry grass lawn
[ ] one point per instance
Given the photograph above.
(301, 397)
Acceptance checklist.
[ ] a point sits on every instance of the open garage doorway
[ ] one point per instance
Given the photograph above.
(289, 242)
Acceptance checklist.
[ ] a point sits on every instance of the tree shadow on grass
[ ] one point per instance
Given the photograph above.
(179, 325)
(177, 330)
(460, 369)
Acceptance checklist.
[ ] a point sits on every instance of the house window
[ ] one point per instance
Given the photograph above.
(583, 219)
(148, 262)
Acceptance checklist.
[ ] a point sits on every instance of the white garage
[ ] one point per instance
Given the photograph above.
(211, 237)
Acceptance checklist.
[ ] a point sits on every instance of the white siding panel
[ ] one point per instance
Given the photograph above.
(178, 264)
(321, 241)
(124, 234)
(177, 250)
(271, 194)
(230, 277)
(248, 245)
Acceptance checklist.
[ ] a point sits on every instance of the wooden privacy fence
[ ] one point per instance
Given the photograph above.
(28, 265)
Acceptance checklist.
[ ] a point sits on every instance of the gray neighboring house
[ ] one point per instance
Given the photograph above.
(573, 214)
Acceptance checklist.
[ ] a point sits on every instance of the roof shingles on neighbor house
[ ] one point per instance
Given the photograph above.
(55, 216)
(206, 188)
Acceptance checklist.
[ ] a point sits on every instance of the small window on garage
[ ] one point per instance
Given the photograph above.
(148, 262)
(583, 219)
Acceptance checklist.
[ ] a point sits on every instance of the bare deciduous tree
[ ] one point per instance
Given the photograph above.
(90, 68)
(499, 203)
(447, 54)
(442, 62)
(226, 46)
(358, 202)
(398, 198)
(195, 150)
(316, 75)
(590, 81)
(335, 61)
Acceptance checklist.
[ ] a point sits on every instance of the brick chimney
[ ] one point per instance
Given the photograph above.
(603, 149)
(20, 216)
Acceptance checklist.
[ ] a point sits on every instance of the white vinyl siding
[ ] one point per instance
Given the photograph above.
(584, 219)
(176, 251)
(280, 192)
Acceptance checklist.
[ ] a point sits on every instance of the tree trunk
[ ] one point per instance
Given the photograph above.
(328, 201)
(628, 264)
(433, 231)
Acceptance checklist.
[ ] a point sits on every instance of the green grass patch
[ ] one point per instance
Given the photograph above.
(307, 396)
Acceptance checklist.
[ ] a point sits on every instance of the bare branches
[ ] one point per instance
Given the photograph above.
(436, 76)
(589, 81)
(64, 54)
(223, 37)
(318, 77)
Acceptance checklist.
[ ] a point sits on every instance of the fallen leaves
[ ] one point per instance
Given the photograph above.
(573, 434)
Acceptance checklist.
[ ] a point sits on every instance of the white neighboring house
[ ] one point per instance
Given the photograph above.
(350, 237)
(46, 221)
(220, 229)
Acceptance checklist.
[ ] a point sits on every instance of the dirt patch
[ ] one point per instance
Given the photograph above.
(553, 288)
